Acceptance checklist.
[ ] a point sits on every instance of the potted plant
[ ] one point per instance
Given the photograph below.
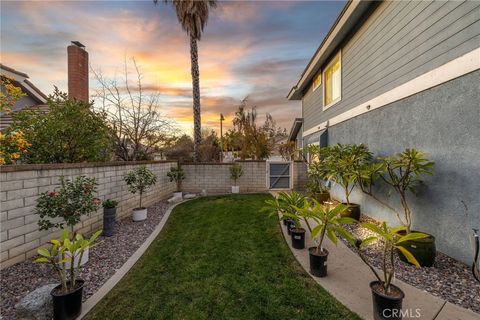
(109, 217)
(64, 207)
(315, 172)
(290, 201)
(329, 223)
(139, 180)
(386, 296)
(403, 174)
(341, 165)
(67, 296)
(177, 174)
(236, 171)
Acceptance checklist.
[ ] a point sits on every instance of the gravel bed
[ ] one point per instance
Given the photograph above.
(104, 260)
(448, 279)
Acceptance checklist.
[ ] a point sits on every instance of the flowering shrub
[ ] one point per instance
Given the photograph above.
(13, 146)
(73, 199)
(10, 95)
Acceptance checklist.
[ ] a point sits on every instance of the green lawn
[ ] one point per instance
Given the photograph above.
(219, 258)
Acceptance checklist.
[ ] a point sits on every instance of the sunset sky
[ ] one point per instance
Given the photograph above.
(254, 49)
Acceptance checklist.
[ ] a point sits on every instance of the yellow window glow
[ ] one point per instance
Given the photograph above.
(333, 84)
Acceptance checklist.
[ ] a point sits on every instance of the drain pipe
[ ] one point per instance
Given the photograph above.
(476, 249)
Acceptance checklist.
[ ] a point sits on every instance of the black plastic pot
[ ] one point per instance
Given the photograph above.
(285, 222)
(109, 218)
(298, 238)
(353, 211)
(67, 306)
(322, 197)
(318, 262)
(424, 250)
(386, 307)
(290, 225)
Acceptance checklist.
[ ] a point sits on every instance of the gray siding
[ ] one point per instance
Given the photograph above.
(399, 41)
(444, 122)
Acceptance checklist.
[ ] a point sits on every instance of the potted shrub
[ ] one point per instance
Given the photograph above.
(109, 217)
(329, 222)
(386, 296)
(403, 173)
(139, 180)
(64, 207)
(67, 296)
(285, 203)
(315, 187)
(236, 171)
(177, 174)
(341, 165)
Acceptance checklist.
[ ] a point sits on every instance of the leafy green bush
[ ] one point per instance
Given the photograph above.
(177, 174)
(69, 132)
(70, 202)
(139, 180)
(236, 171)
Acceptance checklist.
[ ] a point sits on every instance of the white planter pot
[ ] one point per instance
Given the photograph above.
(178, 195)
(139, 214)
(77, 256)
(235, 189)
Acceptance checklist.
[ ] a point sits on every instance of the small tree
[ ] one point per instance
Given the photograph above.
(341, 163)
(69, 132)
(139, 180)
(9, 95)
(177, 174)
(236, 171)
(70, 202)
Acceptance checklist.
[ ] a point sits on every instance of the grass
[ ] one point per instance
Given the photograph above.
(219, 258)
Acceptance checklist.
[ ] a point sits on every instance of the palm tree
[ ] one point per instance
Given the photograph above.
(193, 16)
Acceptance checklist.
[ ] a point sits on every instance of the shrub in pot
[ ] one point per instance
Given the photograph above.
(139, 180)
(386, 296)
(109, 217)
(329, 223)
(315, 171)
(403, 174)
(285, 204)
(67, 296)
(177, 174)
(236, 171)
(341, 165)
(64, 207)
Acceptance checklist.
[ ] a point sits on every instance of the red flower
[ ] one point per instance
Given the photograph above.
(52, 194)
(96, 201)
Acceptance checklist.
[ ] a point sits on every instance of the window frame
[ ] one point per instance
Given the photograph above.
(339, 55)
(320, 76)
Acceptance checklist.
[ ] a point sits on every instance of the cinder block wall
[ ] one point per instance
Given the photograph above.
(215, 177)
(21, 185)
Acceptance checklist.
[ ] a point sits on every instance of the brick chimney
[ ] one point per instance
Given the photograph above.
(77, 71)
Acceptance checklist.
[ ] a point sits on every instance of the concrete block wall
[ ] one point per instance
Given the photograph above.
(21, 185)
(215, 177)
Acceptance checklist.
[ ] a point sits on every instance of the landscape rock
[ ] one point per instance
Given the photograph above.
(190, 196)
(37, 305)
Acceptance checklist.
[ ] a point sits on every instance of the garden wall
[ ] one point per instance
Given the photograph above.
(215, 177)
(22, 184)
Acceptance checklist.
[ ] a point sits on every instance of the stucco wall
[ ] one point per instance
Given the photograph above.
(444, 122)
(21, 185)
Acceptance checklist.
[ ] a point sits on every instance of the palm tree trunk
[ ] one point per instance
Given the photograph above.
(197, 122)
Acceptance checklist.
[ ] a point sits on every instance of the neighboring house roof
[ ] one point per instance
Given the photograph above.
(35, 100)
(297, 125)
(21, 79)
(353, 12)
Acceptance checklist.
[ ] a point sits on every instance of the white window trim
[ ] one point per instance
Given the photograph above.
(320, 73)
(339, 54)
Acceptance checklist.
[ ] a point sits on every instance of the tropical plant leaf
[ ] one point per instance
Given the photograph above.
(408, 255)
(412, 236)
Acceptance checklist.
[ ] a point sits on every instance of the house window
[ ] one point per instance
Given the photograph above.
(332, 74)
(317, 81)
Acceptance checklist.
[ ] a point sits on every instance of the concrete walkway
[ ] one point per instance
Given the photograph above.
(348, 280)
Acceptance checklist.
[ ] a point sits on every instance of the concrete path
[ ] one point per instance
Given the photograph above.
(348, 280)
